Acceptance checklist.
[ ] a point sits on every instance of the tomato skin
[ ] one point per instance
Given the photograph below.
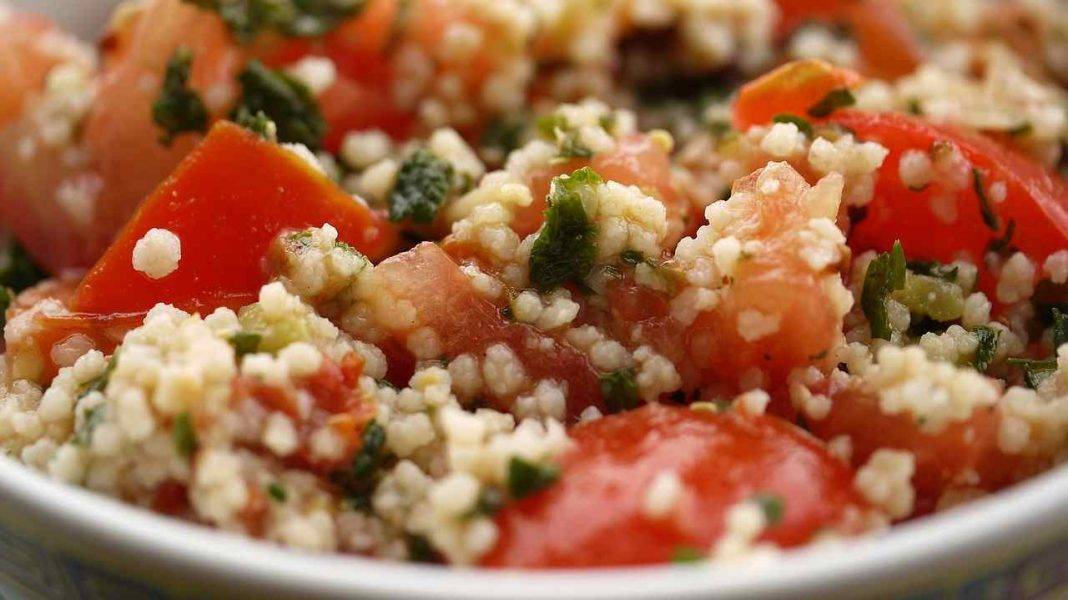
(227, 202)
(465, 321)
(1037, 200)
(888, 46)
(949, 458)
(791, 89)
(593, 515)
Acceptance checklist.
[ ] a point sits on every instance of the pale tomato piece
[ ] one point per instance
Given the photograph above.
(793, 88)
(466, 322)
(965, 454)
(637, 160)
(594, 516)
(774, 313)
(30, 46)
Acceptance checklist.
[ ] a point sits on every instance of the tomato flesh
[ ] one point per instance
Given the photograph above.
(593, 515)
(226, 202)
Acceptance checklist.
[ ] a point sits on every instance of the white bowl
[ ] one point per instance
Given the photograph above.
(59, 541)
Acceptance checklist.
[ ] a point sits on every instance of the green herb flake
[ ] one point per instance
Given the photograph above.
(835, 99)
(886, 273)
(100, 382)
(1003, 243)
(7, 296)
(631, 257)
(420, 549)
(564, 250)
(773, 507)
(988, 345)
(1022, 130)
(526, 478)
(293, 18)
(258, 123)
(17, 271)
(935, 269)
(92, 417)
(1035, 371)
(802, 124)
(178, 109)
(277, 492)
(990, 218)
(185, 438)
(245, 342)
(283, 100)
(620, 390)
(359, 479)
(503, 135)
(423, 184)
(685, 555)
(490, 502)
(1060, 329)
(914, 107)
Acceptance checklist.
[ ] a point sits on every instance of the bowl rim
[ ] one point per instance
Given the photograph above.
(1025, 513)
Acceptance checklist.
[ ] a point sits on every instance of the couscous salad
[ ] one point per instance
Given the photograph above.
(538, 283)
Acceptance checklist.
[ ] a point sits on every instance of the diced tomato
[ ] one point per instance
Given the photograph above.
(226, 202)
(351, 106)
(30, 352)
(594, 516)
(888, 46)
(466, 322)
(637, 160)
(793, 88)
(1036, 200)
(336, 403)
(775, 284)
(30, 45)
(964, 454)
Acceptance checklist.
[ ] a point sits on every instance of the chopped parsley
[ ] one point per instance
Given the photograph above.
(92, 417)
(423, 183)
(359, 480)
(835, 99)
(772, 505)
(17, 271)
(914, 107)
(257, 123)
(1037, 371)
(1021, 130)
(631, 257)
(555, 128)
(684, 555)
(933, 268)
(564, 250)
(100, 382)
(179, 109)
(245, 342)
(620, 390)
(490, 501)
(185, 438)
(1002, 245)
(990, 218)
(886, 273)
(802, 124)
(277, 492)
(420, 549)
(988, 345)
(7, 296)
(294, 18)
(503, 135)
(526, 478)
(283, 100)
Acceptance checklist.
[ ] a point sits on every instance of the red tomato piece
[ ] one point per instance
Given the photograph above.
(593, 516)
(793, 88)
(1036, 200)
(466, 322)
(951, 457)
(226, 202)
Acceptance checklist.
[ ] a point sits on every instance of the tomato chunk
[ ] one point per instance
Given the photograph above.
(465, 321)
(226, 202)
(792, 88)
(1036, 200)
(593, 516)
